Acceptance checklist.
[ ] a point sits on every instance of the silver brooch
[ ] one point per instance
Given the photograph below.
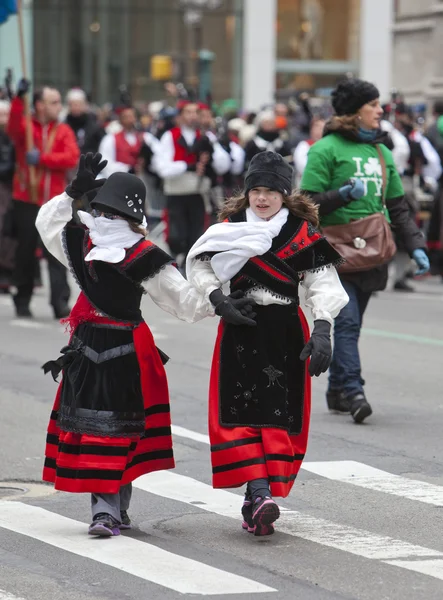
(130, 203)
(359, 243)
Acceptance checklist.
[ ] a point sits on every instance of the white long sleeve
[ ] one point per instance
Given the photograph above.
(238, 159)
(434, 168)
(203, 278)
(173, 294)
(325, 295)
(221, 160)
(163, 160)
(108, 152)
(301, 157)
(51, 220)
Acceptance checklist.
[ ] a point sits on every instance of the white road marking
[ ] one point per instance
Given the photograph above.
(28, 324)
(190, 435)
(359, 474)
(143, 560)
(5, 596)
(320, 531)
(356, 473)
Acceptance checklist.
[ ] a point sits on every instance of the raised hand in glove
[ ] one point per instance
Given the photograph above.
(319, 348)
(23, 87)
(89, 167)
(354, 189)
(234, 309)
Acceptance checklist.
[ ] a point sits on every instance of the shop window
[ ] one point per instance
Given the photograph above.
(317, 30)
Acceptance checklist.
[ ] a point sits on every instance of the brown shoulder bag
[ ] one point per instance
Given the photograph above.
(364, 243)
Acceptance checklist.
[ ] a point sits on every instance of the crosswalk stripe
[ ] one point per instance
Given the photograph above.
(359, 474)
(356, 473)
(190, 435)
(184, 575)
(326, 533)
(5, 596)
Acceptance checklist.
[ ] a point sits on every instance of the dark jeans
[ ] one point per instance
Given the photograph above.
(186, 220)
(345, 370)
(24, 218)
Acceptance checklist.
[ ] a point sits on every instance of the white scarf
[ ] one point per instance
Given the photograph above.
(236, 243)
(110, 237)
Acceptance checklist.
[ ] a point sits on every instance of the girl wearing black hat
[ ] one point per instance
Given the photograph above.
(259, 402)
(110, 423)
(351, 176)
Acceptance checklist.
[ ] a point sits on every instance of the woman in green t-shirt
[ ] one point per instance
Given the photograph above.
(344, 177)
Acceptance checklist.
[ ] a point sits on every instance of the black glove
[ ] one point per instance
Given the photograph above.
(203, 144)
(89, 167)
(319, 348)
(23, 87)
(234, 309)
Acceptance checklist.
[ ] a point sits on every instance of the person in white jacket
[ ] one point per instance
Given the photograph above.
(265, 246)
(111, 418)
(187, 161)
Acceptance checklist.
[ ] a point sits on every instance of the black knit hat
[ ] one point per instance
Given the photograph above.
(122, 194)
(351, 94)
(270, 170)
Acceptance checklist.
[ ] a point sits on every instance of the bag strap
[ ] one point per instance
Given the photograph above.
(383, 173)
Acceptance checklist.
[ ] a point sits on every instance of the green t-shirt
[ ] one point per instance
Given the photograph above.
(334, 159)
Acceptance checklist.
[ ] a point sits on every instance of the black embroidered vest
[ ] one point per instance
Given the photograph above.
(115, 290)
(299, 248)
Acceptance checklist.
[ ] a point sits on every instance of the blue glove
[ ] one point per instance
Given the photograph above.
(354, 190)
(422, 260)
(33, 157)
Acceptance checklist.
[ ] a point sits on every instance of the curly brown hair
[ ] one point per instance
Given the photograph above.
(297, 203)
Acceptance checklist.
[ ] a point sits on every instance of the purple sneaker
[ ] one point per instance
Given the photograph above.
(246, 511)
(104, 525)
(265, 511)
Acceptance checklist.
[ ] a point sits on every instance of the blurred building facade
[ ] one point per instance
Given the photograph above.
(260, 48)
(418, 50)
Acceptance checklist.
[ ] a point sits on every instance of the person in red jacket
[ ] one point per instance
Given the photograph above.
(55, 151)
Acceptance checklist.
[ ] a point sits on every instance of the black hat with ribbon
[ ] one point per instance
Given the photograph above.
(123, 194)
(270, 170)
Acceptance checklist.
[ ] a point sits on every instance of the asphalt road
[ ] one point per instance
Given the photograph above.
(364, 520)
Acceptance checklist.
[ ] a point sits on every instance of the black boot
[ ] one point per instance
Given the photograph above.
(61, 311)
(402, 286)
(337, 401)
(22, 309)
(360, 407)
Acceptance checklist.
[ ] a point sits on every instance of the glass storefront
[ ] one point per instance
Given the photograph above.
(317, 43)
(102, 44)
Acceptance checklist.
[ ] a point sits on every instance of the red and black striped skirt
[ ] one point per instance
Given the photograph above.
(242, 454)
(76, 462)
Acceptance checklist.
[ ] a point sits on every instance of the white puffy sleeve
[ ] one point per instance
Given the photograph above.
(172, 293)
(108, 151)
(51, 220)
(325, 295)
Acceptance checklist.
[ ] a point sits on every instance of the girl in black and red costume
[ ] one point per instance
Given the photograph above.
(111, 419)
(260, 390)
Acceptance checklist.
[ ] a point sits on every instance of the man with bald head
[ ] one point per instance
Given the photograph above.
(53, 154)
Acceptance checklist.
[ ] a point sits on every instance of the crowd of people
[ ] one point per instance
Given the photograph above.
(189, 158)
(89, 186)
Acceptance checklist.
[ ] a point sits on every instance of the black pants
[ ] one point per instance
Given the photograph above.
(186, 218)
(24, 218)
